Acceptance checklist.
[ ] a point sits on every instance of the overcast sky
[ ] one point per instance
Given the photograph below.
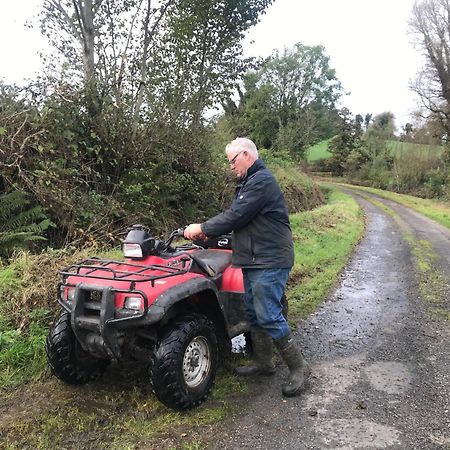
(366, 40)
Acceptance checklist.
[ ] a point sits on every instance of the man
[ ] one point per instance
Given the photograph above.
(263, 248)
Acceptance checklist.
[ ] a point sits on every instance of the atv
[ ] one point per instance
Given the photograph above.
(175, 308)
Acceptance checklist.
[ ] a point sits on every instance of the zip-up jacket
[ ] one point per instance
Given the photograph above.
(259, 220)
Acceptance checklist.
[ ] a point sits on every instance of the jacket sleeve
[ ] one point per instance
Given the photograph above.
(248, 203)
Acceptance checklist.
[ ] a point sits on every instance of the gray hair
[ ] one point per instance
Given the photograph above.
(243, 144)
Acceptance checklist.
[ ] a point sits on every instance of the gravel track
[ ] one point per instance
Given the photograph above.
(378, 348)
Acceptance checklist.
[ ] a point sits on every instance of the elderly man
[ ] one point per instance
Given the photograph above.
(263, 248)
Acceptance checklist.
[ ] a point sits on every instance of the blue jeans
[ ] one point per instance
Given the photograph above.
(263, 291)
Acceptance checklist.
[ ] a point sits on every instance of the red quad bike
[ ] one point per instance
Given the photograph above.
(173, 308)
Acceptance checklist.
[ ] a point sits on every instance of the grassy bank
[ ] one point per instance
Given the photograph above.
(119, 411)
(438, 211)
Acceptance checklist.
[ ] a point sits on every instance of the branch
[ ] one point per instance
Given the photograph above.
(13, 139)
(57, 4)
(80, 22)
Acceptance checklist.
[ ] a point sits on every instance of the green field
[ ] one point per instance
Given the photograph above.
(398, 149)
(318, 151)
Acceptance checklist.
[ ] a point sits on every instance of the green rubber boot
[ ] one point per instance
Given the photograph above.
(299, 369)
(262, 355)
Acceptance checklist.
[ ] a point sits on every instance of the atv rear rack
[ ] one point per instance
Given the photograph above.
(93, 265)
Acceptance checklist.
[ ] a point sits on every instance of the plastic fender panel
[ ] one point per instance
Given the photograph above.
(232, 280)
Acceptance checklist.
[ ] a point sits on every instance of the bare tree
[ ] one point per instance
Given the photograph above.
(430, 24)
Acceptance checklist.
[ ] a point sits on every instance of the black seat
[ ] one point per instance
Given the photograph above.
(212, 262)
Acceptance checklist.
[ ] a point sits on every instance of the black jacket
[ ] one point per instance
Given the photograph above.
(259, 220)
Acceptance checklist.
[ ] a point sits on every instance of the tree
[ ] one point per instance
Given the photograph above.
(104, 44)
(385, 125)
(199, 57)
(367, 120)
(301, 77)
(430, 24)
(407, 132)
(289, 100)
(177, 56)
(345, 145)
(114, 131)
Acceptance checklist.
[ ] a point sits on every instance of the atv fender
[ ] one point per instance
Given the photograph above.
(180, 292)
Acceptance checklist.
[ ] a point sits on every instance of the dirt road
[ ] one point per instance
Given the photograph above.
(379, 349)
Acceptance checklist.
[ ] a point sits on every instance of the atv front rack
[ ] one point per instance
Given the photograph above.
(130, 272)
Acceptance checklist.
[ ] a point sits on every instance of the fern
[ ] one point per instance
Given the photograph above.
(20, 224)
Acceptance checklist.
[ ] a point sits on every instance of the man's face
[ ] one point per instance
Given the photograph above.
(238, 160)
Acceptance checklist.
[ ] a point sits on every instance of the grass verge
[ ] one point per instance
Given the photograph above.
(438, 211)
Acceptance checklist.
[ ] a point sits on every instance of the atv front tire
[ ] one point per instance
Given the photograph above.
(184, 362)
(67, 359)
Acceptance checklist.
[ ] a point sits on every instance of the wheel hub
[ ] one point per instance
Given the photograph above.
(196, 361)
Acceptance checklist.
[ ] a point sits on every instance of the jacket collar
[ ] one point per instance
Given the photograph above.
(257, 165)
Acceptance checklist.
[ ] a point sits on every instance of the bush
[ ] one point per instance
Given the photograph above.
(435, 184)
(300, 191)
(92, 176)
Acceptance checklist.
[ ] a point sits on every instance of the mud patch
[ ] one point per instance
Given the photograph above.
(389, 376)
(356, 434)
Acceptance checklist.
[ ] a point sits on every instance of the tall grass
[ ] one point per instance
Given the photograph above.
(27, 306)
(22, 355)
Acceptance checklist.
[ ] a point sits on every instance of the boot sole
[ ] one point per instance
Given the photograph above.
(301, 388)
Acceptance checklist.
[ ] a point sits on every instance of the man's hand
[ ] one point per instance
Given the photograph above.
(193, 231)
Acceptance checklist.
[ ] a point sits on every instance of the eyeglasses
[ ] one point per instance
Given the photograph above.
(233, 160)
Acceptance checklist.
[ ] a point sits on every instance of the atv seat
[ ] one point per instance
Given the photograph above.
(212, 262)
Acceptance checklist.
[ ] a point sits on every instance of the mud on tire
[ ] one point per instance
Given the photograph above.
(184, 362)
(65, 356)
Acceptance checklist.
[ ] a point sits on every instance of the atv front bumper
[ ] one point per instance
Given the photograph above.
(98, 325)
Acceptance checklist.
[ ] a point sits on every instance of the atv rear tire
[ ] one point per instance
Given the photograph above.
(66, 358)
(184, 362)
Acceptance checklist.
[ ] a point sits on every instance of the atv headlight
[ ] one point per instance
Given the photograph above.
(70, 294)
(133, 303)
(132, 250)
